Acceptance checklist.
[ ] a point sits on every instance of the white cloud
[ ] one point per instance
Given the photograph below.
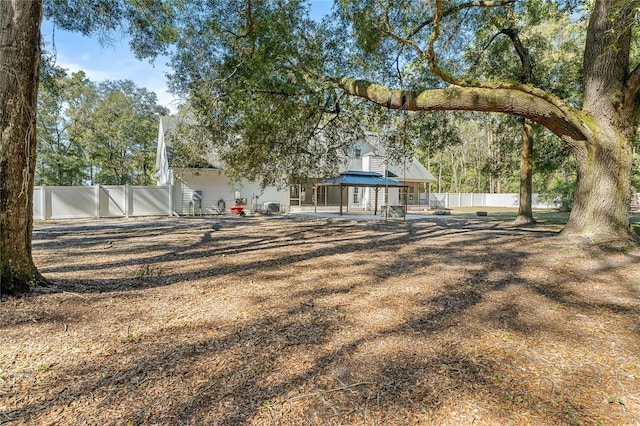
(167, 99)
(72, 67)
(114, 62)
(142, 73)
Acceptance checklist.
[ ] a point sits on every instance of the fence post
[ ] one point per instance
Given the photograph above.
(171, 201)
(127, 200)
(97, 205)
(43, 202)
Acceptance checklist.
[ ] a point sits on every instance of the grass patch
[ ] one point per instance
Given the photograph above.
(506, 214)
(549, 217)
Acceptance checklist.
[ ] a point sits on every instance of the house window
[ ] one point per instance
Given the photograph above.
(356, 194)
(358, 152)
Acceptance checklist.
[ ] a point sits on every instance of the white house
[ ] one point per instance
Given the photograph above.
(206, 189)
(368, 155)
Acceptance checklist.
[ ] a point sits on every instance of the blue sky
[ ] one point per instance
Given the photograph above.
(114, 61)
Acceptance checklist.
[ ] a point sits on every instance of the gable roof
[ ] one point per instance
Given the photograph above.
(170, 127)
(412, 170)
(408, 170)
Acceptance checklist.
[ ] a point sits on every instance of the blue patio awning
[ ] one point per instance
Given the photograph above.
(363, 179)
(358, 178)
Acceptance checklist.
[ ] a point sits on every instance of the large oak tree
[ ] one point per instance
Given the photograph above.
(20, 22)
(600, 130)
(19, 71)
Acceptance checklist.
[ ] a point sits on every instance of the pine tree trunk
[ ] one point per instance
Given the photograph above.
(19, 71)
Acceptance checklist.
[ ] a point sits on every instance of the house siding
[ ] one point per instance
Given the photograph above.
(215, 187)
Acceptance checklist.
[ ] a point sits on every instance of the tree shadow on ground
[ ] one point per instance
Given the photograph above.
(418, 323)
(201, 242)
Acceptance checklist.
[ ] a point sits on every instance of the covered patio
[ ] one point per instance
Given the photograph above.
(360, 179)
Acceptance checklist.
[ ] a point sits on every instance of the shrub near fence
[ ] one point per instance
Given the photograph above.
(76, 202)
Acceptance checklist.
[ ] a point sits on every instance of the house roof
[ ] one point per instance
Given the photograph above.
(170, 126)
(173, 122)
(409, 170)
(359, 178)
(413, 170)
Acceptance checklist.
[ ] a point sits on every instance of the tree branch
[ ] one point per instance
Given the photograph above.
(401, 40)
(523, 54)
(563, 120)
(450, 11)
(497, 90)
(458, 8)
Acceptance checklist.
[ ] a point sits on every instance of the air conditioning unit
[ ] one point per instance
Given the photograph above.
(195, 205)
(272, 207)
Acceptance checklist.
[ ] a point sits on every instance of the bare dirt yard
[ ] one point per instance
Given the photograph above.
(309, 321)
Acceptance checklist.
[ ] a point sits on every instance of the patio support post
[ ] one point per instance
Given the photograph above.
(406, 202)
(315, 199)
(347, 204)
(341, 188)
(375, 206)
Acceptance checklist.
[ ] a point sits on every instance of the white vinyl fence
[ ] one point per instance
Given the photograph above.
(75, 202)
(450, 200)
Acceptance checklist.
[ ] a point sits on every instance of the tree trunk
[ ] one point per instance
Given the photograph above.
(600, 210)
(19, 71)
(602, 199)
(525, 210)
